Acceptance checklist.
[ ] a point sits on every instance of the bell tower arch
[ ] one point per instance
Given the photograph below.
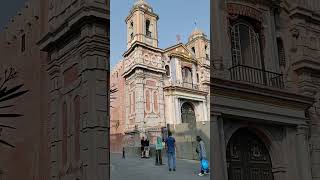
(142, 25)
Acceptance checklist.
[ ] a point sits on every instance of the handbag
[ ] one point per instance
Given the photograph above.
(204, 164)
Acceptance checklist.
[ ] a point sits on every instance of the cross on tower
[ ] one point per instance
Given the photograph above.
(195, 23)
(178, 38)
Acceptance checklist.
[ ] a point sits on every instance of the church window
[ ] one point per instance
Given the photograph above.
(193, 50)
(198, 78)
(206, 50)
(23, 43)
(77, 127)
(148, 32)
(131, 30)
(64, 133)
(245, 45)
(281, 53)
(167, 70)
(186, 75)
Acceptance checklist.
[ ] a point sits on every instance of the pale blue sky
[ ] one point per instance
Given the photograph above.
(175, 17)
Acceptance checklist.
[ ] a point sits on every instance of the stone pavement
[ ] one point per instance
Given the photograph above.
(134, 168)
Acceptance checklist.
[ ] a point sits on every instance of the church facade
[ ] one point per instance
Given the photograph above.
(159, 87)
(265, 89)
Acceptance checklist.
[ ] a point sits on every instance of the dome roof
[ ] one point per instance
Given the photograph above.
(196, 33)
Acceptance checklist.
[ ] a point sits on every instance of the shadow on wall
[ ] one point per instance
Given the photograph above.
(185, 135)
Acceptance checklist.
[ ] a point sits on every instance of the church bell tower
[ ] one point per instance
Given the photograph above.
(142, 25)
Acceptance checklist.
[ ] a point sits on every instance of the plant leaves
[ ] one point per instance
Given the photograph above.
(13, 95)
(10, 115)
(3, 107)
(5, 126)
(6, 143)
(10, 90)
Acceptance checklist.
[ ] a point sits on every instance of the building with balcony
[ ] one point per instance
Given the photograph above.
(159, 87)
(265, 89)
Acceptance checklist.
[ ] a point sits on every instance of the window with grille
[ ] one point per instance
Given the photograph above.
(245, 46)
(281, 53)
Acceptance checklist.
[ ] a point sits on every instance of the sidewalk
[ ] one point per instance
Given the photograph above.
(133, 168)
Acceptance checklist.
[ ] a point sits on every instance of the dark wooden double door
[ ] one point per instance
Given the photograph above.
(248, 158)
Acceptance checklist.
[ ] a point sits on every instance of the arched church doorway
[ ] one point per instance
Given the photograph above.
(187, 113)
(247, 157)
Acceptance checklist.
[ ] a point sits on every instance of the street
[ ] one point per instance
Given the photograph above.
(134, 168)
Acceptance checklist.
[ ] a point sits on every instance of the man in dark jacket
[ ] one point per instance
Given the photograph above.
(143, 143)
(201, 150)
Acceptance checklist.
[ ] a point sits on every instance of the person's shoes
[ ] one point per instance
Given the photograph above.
(174, 169)
(200, 174)
(170, 169)
(206, 173)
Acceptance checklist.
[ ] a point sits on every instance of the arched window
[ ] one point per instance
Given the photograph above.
(186, 75)
(131, 30)
(187, 113)
(64, 133)
(207, 53)
(167, 70)
(193, 50)
(77, 127)
(281, 53)
(245, 46)
(148, 32)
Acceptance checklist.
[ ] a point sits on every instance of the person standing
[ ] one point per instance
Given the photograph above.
(201, 150)
(146, 148)
(142, 147)
(171, 151)
(159, 148)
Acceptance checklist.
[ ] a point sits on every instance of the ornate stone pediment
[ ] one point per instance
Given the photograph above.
(180, 51)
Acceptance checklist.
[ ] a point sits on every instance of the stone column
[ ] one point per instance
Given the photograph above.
(303, 153)
(54, 123)
(139, 117)
(218, 149)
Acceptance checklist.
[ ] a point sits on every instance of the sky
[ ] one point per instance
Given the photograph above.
(9, 9)
(176, 17)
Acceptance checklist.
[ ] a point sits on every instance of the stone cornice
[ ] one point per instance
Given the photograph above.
(50, 39)
(260, 94)
(183, 89)
(144, 45)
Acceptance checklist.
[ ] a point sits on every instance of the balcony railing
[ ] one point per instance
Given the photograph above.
(190, 85)
(256, 76)
(182, 84)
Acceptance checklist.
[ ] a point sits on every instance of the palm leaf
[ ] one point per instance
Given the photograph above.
(10, 115)
(3, 107)
(3, 94)
(6, 143)
(6, 126)
(13, 95)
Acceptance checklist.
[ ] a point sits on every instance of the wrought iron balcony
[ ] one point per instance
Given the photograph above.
(256, 76)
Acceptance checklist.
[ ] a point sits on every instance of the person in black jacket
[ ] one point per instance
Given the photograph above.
(143, 144)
